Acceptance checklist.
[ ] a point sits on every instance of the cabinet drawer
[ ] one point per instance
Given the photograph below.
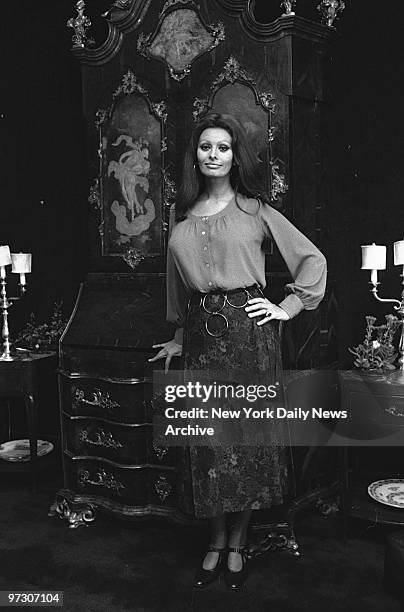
(127, 444)
(107, 399)
(140, 486)
(98, 438)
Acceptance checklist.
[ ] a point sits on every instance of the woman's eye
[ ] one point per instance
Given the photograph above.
(223, 148)
(204, 147)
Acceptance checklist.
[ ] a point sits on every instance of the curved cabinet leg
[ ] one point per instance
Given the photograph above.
(77, 514)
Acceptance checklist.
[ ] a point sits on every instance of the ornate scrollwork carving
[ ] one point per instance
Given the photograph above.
(133, 257)
(267, 101)
(94, 197)
(102, 438)
(101, 117)
(159, 109)
(99, 399)
(102, 479)
(76, 517)
(288, 6)
(120, 5)
(279, 185)
(163, 487)
(80, 25)
(271, 133)
(170, 191)
(160, 451)
(329, 10)
(170, 3)
(200, 106)
(129, 85)
(180, 38)
(232, 72)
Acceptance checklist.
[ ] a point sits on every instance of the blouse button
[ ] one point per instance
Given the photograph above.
(205, 248)
(208, 265)
(203, 233)
(210, 283)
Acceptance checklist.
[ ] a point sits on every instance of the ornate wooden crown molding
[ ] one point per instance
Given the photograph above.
(285, 25)
(128, 15)
(123, 16)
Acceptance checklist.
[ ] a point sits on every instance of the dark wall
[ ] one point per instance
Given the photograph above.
(44, 188)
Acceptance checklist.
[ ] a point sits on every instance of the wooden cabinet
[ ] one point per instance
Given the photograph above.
(162, 66)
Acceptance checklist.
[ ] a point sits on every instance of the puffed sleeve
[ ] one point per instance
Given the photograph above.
(306, 264)
(177, 297)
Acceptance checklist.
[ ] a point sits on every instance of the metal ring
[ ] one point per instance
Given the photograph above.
(221, 333)
(248, 297)
(223, 295)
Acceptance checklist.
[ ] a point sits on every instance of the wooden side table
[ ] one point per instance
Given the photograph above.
(19, 378)
(375, 427)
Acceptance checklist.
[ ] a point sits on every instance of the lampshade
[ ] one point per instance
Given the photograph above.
(399, 253)
(373, 257)
(21, 262)
(5, 257)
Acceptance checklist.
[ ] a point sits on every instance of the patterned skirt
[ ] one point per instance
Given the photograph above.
(230, 478)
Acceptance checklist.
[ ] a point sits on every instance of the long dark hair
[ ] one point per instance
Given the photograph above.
(245, 176)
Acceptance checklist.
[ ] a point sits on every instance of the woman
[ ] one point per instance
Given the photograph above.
(215, 277)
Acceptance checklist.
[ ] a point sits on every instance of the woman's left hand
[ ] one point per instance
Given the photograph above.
(258, 307)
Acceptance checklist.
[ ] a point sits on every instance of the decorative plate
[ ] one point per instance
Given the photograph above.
(18, 450)
(389, 492)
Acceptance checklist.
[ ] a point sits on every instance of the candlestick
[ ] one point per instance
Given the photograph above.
(374, 258)
(21, 263)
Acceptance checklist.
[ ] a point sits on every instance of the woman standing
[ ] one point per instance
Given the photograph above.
(215, 277)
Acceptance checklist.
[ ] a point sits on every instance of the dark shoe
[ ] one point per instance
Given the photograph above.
(235, 580)
(204, 576)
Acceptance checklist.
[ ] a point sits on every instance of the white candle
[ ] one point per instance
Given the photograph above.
(5, 257)
(399, 253)
(373, 257)
(21, 263)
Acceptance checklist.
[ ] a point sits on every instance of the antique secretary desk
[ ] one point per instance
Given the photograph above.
(163, 65)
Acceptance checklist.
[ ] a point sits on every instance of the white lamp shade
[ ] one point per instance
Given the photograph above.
(373, 257)
(21, 262)
(399, 253)
(5, 257)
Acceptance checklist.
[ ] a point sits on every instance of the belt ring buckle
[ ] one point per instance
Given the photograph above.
(221, 332)
(248, 297)
(211, 312)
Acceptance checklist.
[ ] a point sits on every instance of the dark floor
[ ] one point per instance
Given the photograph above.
(114, 565)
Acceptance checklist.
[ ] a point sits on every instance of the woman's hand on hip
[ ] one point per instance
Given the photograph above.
(261, 307)
(168, 350)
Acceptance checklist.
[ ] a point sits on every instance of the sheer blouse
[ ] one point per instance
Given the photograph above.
(224, 251)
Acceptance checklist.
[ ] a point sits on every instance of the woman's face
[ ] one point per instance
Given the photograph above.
(214, 153)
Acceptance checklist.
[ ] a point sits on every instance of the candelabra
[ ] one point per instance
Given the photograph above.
(20, 264)
(374, 259)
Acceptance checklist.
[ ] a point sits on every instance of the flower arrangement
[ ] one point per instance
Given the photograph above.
(43, 337)
(377, 351)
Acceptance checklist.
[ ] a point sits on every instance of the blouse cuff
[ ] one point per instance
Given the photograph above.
(179, 335)
(292, 304)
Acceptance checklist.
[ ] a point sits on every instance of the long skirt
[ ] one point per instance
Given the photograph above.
(216, 479)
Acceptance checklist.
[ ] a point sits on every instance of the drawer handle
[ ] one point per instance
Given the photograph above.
(103, 479)
(163, 487)
(99, 399)
(102, 438)
(160, 451)
(394, 411)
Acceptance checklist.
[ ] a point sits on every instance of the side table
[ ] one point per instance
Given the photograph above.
(375, 407)
(19, 378)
